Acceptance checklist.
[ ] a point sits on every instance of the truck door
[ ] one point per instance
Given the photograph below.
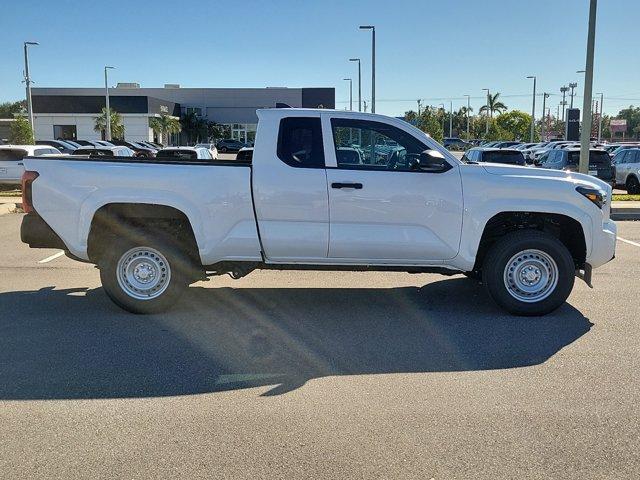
(382, 209)
(290, 188)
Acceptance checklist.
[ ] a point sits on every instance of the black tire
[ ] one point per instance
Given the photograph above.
(633, 186)
(504, 250)
(223, 149)
(473, 275)
(178, 268)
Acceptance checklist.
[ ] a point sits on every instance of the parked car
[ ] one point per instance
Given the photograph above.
(73, 143)
(11, 156)
(454, 143)
(568, 159)
(150, 145)
(506, 144)
(116, 151)
(185, 153)
(229, 145)
(88, 143)
(105, 143)
(245, 154)
(63, 147)
(211, 147)
(508, 156)
(140, 150)
(154, 230)
(626, 164)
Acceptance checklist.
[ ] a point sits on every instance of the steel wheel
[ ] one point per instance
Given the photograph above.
(531, 276)
(143, 273)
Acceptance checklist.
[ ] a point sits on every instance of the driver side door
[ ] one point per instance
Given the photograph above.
(382, 209)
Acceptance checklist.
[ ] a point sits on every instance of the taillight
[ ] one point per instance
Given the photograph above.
(27, 192)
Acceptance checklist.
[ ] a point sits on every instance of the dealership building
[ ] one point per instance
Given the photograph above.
(70, 113)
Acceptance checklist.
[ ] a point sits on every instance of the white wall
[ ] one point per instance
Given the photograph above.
(136, 126)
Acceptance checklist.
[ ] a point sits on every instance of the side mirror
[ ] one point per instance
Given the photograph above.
(432, 161)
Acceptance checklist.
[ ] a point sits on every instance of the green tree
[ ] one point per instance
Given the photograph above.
(516, 123)
(632, 116)
(429, 121)
(493, 105)
(117, 128)
(217, 131)
(11, 109)
(194, 127)
(21, 132)
(164, 125)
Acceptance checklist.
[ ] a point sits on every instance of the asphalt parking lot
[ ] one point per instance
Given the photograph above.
(315, 375)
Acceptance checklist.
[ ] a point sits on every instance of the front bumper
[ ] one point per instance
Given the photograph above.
(604, 244)
(36, 233)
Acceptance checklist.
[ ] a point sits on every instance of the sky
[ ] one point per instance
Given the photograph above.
(437, 51)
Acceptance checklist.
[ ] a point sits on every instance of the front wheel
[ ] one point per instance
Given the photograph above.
(144, 276)
(633, 186)
(529, 273)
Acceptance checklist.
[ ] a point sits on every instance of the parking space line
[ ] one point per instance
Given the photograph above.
(52, 257)
(628, 241)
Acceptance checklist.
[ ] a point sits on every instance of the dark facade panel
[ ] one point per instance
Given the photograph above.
(88, 104)
(159, 106)
(316, 97)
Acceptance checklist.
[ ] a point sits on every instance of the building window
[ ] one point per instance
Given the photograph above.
(65, 132)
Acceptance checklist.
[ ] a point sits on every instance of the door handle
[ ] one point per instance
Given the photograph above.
(357, 186)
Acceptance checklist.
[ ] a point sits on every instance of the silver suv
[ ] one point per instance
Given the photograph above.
(627, 169)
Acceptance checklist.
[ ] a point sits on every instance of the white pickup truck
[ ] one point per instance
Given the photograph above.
(326, 190)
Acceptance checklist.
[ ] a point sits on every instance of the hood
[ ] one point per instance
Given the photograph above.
(545, 174)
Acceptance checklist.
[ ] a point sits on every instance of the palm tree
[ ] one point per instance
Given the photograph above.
(493, 105)
(117, 128)
(194, 127)
(164, 125)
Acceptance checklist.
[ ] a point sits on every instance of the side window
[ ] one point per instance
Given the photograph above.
(300, 142)
(368, 145)
(41, 151)
(633, 156)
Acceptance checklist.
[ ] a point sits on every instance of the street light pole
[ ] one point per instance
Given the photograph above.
(564, 91)
(108, 110)
(585, 134)
(486, 132)
(450, 118)
(544, 120)
(419, 104)
(533, 109)
(443, 115)
(600, 117)
(350, 92)
(468, 108)
(572, 86)
(359, 83)
(373, 64)
(27, 81)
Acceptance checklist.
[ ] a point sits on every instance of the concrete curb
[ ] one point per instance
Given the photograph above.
(625, 213)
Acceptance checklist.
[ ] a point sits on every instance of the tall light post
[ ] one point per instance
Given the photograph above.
(350, 92)
(444, 112)
(450, 118)
(27, 81)
(564, 91)
(600, 118)
(544, 120)
(533, 109)
(419, 105)
(373, 64)
(585, 134)
(572, 86)
(468, 108)
(486, 132)
(359, 83)
(108, 110)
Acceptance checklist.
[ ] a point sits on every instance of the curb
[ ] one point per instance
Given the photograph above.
(625, 213)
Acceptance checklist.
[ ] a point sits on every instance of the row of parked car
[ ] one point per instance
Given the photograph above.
(617, 164)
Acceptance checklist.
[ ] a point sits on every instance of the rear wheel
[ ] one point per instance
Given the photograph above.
(145, 276)
(529, 272)
(633, 186)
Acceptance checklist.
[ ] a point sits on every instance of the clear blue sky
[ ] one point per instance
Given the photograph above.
(434, 50)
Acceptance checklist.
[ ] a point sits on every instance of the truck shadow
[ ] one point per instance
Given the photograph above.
(57, 344)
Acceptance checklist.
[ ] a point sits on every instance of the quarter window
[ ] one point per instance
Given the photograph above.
(300, 142)
(367, 145)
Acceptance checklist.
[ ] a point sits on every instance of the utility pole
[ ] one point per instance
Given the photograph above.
(359, 83)
(585, 134)
(572, 86)
(533, 109)
(350, 92)
(600, 117)
(444, 113)
(365, 105)
(450, 118)
(544, 121)
(486, 132)
(468, 108)
(564, 91)
(27, 81)
(108, 109)
(419, 104)
(373, 64)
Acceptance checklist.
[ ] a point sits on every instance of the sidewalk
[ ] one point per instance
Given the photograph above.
(625, 210)
(9, 204)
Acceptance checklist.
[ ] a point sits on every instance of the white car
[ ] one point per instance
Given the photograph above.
(211, 147)
(626, 165)
(185, 153)
(11, 166)
(306, 202)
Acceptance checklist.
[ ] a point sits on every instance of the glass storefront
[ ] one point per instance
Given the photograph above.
(244, 132)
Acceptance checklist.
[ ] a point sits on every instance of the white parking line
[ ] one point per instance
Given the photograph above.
(628, 241)
(56, 255)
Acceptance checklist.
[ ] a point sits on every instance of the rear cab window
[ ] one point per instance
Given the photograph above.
(178, 154)
(12, 154)
(508, 157)
(300, 142)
